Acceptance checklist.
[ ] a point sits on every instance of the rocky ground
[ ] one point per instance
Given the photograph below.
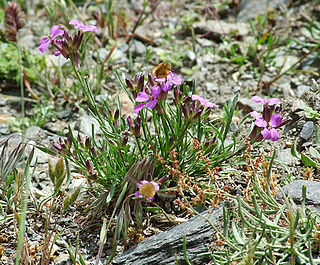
(211, 42)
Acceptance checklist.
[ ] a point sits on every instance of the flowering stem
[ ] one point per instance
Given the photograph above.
(139, 146)
(182, 134)
(21, 78)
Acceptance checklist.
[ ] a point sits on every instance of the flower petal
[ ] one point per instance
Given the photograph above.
(151, 104)
(75, 23)
(155, 91)
(44, 44)
(275, 120)
(257, 99)
(261, 123)
(274, 135)
(142, 182)
(266, 134)
(176, 79)
(156, 185)
(255, 114)
(166, 86)
(55, 32)
(272, 101)
(139, 107)
(142, 97)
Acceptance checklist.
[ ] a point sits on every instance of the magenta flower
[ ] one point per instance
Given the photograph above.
(270, 101)
(203, 101)
(168, 81)
(54, 33)
(269, 131)
(82, 27)
(147, 189)
(149, 100)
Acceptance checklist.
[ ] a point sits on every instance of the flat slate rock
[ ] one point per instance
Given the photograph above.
(295, 190)
(167, 247)
(252, 8)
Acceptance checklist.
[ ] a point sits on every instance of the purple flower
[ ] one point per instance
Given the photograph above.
(168, 81)
(149, 101)
(270, 101)
(54, 33)
(269, 131)
(203, 101)
(147, 189)
(82, 27)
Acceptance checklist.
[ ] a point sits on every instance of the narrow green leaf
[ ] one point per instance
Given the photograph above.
(308, 161)
(236, 234)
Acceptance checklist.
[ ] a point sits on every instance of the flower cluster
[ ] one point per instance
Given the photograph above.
(66, 45)
(269, 121)
(156, 89)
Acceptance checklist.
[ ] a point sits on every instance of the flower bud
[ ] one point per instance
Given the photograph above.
(140, 83)
(69, 140)
(137, 127)
(116, 115)
(177, 95)
(87, 143)
(124, 141)
(80, 139)
(56, 146)
(89, 166)
(185, 111)
(198, 113)
(159, 109)
(129, 84)
(94, 151)
(151, 80)
(130, 123)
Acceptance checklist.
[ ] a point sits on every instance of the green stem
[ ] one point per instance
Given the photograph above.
(139, 146)
(21, 78)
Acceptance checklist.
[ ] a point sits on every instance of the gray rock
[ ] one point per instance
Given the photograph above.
(64, 114)
(85, 125)
(211, 86)
(307, 130)
(302, 89)
(215, 30)
(167, 246)
(248, 105)
(286, 156)
(191, 55)
(32, 132)
(137, 48)
(252, 8)
(294, 189)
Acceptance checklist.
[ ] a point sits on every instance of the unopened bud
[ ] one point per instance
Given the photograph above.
(129, 83)
(151, 80)
(124, 141)
(89, 166)
(140, 84)
(116, 115)
(56, 146)
(185, 111)
(94, 151)
(159, 109)
(137, 127)
(87, 143)
(130, 123)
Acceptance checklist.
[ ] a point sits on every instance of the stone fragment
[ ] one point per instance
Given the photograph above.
(252, 8)
(215, 30)
(294, 189)
(307, 130)
(167, 246)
